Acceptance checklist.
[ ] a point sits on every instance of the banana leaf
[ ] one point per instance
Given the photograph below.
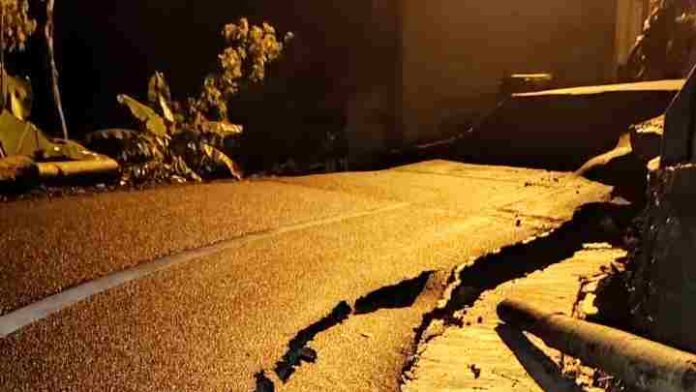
(21, 137)
(160, 95)
(127, 146)
(222, 128)
(18, 96)
(152, 121)
(220, 160)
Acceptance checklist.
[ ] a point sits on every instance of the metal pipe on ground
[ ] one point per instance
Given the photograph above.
(637, 361)
(50, 170)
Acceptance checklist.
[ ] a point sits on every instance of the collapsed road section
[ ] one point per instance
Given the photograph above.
(479, 352)
(335, 347)
(214, 322)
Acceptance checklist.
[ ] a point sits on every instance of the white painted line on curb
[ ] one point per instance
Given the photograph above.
(20, 318)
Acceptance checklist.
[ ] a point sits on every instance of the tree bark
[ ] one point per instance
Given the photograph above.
(48, 31)
(2, 55)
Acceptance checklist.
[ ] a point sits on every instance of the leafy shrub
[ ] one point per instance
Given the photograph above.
(184, 142)
(249, 50)
(17, 25)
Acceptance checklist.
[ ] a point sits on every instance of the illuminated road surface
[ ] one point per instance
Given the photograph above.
(200, 288)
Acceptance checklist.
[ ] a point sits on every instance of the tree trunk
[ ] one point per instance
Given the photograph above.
(54, 69)
(2, 55)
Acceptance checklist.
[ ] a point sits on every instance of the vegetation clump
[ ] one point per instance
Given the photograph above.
(186, 141)
(176, 141)
(16, 26)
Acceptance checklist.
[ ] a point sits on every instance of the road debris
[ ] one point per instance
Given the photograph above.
(475, 370)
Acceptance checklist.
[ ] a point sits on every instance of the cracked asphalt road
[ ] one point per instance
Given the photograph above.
(210, 324)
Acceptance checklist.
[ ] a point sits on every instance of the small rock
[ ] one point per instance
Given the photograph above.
(646, 138)
(308, 354)
(476, 371)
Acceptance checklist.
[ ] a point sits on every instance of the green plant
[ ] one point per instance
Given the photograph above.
(16, 26)
(186, 142)
(244, 60)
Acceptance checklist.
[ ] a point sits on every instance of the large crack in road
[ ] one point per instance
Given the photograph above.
(601, 222)
(212, 320)
(401, 295)
(592, 223)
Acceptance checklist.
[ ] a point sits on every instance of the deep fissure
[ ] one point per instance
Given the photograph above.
(398, 296)
(298, 352)
(401, 295)
(598, 222)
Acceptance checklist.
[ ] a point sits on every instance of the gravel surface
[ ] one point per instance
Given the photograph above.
(51, 244)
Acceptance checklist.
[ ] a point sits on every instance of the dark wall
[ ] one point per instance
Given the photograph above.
(456, 51)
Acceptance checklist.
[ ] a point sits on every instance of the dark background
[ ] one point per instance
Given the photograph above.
(405, 70)
(108, 47)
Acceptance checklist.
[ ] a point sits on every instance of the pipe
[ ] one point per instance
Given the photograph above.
(637, 361)
(50, 170)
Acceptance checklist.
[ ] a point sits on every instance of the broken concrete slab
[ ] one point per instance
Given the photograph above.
(482, 355)
(562, 129)
(678, 145)
(620, 168)
(301, 246)
(646, 138)
(654, 86)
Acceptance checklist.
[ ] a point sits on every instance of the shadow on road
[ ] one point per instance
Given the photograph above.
(540, 367)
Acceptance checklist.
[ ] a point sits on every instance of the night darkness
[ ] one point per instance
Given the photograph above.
(112, 46)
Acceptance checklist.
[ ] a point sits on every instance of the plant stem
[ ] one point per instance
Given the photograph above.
(54, 69)
(2, 54)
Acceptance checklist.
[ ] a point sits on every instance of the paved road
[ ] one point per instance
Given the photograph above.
(245, 270)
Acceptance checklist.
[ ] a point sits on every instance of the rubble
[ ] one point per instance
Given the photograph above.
(17, 168)
(646, 138)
